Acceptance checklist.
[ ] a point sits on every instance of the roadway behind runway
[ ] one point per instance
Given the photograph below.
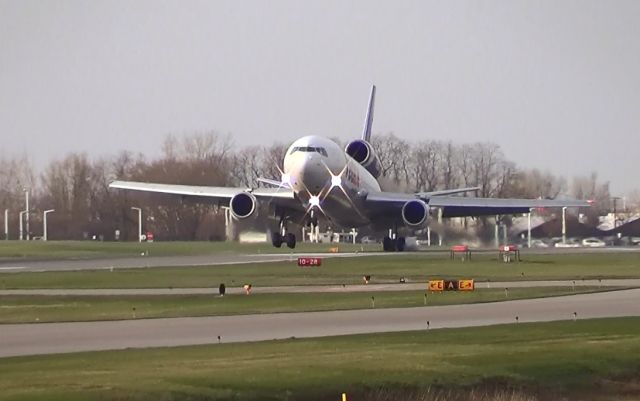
(50, 338)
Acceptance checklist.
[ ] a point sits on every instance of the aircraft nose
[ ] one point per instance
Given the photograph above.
(314, 174)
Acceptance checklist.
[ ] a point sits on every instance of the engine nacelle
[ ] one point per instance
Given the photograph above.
(415, 213)
(362, 152)
(242, 205)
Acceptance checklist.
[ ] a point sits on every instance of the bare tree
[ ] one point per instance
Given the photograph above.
(486, 161)
(16, 175)
(271, 161)
(464, 165)
(589, 188)
(67, 183)
(537, 184)
(449, 176)
(425, 159)
(385, 147)
(246, 166)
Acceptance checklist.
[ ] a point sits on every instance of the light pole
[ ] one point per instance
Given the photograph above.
(529, 228)
(26, 210)
(6, 224)
(615, 210)
(139, 222)
(564, 225)
(441, 233)
(21, 226)
(496, 233)
(44, 223)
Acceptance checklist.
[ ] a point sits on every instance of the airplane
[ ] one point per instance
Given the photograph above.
(320, 177)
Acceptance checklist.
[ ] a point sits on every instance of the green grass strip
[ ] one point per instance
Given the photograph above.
(570, 359)
(35, 308)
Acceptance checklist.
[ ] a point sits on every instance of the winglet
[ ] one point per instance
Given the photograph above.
(368, 121)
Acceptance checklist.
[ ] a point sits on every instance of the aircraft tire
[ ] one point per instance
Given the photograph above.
(387, 244)
(401, 243)
(290, 239)
(276, 239)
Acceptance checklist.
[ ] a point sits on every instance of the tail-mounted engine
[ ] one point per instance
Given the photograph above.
(242, 205)
(362, 152)
(415, 213)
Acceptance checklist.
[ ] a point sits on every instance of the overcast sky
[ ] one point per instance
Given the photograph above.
(555, 83)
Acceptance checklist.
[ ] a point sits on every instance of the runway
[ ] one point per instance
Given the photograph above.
(16, 265)
(621, 283)
(50, 338)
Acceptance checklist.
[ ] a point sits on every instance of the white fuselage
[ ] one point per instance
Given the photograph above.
(325, 178)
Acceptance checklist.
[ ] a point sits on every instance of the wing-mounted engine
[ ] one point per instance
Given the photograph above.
(415, 213)
(242, 205)
(362, 152)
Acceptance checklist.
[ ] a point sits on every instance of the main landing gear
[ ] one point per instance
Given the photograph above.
(283, 237)
(393, 242)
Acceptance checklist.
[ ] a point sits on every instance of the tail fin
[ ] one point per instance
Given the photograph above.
(366, 131)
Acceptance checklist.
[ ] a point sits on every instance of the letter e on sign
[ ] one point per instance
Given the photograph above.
(465, 285)
(436, 285)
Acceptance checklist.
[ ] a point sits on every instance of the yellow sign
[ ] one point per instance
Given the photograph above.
(451, 285)
(465, 285)
(436, 285)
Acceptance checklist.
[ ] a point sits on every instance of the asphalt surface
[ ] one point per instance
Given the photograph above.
(17, 265)
(51, 338)
(13, 266)
(622, 283)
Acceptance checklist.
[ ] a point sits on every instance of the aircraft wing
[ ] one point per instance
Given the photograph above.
(222, 193)
(456, 206)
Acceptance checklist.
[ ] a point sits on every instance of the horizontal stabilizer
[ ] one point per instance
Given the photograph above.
(447, 192)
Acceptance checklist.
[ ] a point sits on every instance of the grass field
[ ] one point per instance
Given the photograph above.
(53, 250)
(583, 360)
(29, 309)
(383, 269)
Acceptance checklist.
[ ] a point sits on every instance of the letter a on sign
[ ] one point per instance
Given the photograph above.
(450, 285)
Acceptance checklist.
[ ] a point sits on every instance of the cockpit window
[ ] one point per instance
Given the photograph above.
(320, 150)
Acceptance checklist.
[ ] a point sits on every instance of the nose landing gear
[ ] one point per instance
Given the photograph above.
(278, 239)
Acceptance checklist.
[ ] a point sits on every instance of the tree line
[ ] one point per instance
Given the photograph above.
(76, 186)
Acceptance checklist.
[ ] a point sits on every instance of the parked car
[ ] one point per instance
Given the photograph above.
(571, 243)
(593, 242)
(368, 240)
(538, 243)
